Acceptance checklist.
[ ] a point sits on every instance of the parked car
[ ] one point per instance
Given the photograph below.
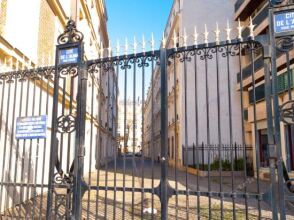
(138, 154)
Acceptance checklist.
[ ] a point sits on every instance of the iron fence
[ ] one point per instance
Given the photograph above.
(194, 87)
(219, 157)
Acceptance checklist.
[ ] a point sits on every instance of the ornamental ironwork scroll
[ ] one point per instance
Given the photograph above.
(71, 34)
(287, 113)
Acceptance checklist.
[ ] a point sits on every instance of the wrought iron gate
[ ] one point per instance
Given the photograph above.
(188, 145)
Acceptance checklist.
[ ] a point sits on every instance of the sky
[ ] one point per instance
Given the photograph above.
(129, 18)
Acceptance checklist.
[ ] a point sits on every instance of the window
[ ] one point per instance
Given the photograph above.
(263, 148)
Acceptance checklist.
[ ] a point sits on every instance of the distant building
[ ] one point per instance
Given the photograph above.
(130, 136)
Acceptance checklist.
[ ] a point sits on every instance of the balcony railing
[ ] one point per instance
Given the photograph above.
(257, 20)
(282, 83)
(247, 71)
(238, 4)
(258, 65)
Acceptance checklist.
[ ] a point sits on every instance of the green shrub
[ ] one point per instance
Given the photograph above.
(226, 165)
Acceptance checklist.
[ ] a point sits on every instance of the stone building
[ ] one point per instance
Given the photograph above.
(133, 137)
(28, 35)
(259, 11)
(184, 17)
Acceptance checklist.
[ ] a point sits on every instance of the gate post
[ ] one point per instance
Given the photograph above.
(164, 134)
(276, 109)
(79, 185)
(70, 55)
(270, 129)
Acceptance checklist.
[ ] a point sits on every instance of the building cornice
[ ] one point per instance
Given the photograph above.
(11, 51)
(58, 11)
(102, 14)
(88, 18)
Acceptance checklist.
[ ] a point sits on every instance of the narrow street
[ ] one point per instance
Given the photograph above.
(145, 174)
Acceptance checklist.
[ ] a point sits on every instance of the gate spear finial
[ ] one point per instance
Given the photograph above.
(163, 40)
(109, 49)
(206, 33)
(185, 37)
(228, 30)
(217, 34)
(101, 50)
(143, 44)
(251, 27)
(195, 36)
(175, 39)
(240, 28)
(126, 47)
(117, 48)
(152, 42)
(135, 45)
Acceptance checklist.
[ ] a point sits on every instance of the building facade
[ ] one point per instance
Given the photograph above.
(131, 139)
(184, 17)
(259, 11)
(28, 35)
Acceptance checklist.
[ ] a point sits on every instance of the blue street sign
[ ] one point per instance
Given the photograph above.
(69, 55)
(33, 127)
(284, 22)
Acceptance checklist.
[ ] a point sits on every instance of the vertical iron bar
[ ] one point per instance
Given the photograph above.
(17, 146)
(70, 134)
(134, 135)
(116, 127)
(44, 153)
(176, 136)
(31, 147)
(80, 141)
(164, 134)
(91, 141)
(24, 149)
(270, 131)
(152, 140)
(228, 50)
(61, 160)
(108, 136)
(5, 142)
(207, 126)
(11, 144)
(197, 132)
(243, 130)
(185, 56)
(143, 139)
(125, 137)
(219, 134)
(37, 150)
(54, 142)
(98, 138)
(256, 134)
(277, 119)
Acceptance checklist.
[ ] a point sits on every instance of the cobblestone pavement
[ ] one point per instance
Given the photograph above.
(100, 203)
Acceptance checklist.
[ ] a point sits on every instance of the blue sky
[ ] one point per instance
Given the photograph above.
(127, 18)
